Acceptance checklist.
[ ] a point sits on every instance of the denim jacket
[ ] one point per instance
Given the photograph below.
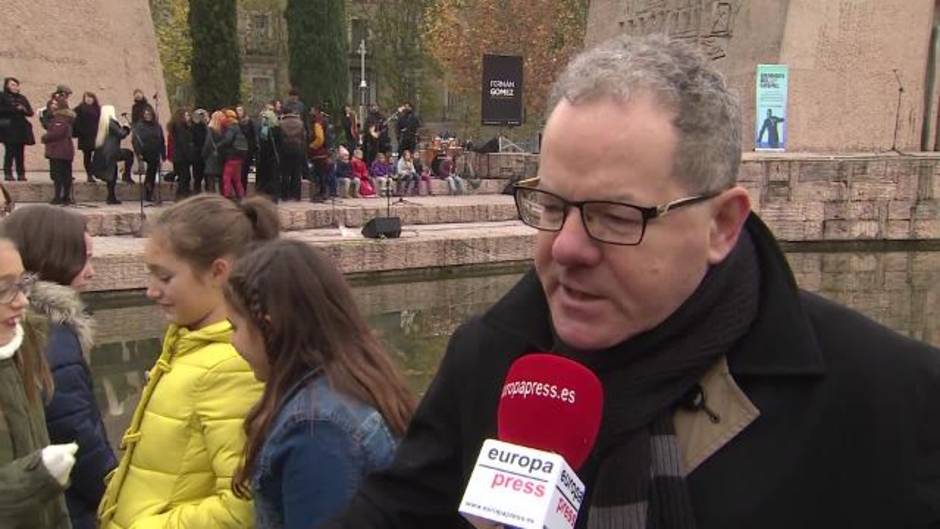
(320, 446)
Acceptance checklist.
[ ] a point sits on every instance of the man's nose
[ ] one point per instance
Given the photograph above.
(573, 246)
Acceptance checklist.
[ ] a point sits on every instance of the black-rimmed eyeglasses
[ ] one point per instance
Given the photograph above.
(605, 221)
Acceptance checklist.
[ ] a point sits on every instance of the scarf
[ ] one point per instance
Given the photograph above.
(640, 482)
(11, 347)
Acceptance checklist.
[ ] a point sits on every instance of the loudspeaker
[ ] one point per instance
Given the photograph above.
(382, 228)
(489, 147)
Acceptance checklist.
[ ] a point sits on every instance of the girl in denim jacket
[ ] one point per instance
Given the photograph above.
(334, 404)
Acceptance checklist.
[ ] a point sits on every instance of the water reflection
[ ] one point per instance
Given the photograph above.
(415, 319)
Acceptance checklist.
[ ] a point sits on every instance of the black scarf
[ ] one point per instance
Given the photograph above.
(640, 483)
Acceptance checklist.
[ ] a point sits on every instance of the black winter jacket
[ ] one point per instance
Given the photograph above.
(148, 140)
(138, 108)
(15, 129)
(86, 125)
(848, 433)
(106, 156)
(184, 148)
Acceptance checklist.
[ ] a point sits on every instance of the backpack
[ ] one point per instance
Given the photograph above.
(292, 134)
(241, 142)
(319, 136)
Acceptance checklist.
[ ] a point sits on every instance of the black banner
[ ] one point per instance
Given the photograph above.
(502, 90)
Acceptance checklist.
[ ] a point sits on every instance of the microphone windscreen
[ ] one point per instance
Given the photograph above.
(551, 403)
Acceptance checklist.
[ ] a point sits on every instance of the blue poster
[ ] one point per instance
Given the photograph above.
(771, 122)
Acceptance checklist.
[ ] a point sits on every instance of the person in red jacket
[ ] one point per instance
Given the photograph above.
(60, 151)
(360, 171)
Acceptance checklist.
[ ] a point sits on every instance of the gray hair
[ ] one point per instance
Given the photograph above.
(681, 79)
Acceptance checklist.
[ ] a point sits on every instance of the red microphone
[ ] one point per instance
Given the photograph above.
(548, 419)
(551, 403)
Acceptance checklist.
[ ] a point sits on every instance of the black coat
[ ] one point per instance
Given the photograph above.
(848, 433)
(86, 125)
(106, 157)
(137, 111)
(248, 128)
(148, 140)
(15, 129)
(200, 130)
(212, 155)
(184, 148)
(269, 149)
(408, 125)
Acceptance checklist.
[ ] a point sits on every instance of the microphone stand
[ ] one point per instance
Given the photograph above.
(156, 113)
(897, 115)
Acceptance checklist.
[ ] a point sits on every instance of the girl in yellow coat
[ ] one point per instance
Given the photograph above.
(185, 440)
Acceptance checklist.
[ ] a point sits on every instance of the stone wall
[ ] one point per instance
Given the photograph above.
(898, 289)
(103, 46)
(835, 198)
(808, 197)
(843, 93)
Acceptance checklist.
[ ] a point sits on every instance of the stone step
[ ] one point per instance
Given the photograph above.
(39, 189)
(125, 219)
(119, 262)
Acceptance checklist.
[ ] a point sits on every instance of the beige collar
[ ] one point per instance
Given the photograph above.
(698, 434)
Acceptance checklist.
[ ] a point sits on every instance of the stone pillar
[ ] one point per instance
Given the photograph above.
(843, 93)
(103, 46)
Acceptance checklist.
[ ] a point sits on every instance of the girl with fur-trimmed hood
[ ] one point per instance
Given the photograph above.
(55, 247)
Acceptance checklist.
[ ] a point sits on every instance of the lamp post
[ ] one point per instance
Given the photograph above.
(363, 86)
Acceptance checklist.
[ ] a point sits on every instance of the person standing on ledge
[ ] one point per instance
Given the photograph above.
(150, 145)
(140, 105)
(85, 129)
(16, 132)
(60, 151)
(408, 125)
(108, 150)
(732, 399)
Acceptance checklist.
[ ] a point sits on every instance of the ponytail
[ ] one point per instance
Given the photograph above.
(262, 215)
(204, 228)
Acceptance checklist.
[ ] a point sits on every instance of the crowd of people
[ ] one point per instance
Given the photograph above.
(216, 151)
(267, 370)
(731, 398)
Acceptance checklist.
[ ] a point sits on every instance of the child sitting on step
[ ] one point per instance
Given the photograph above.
(361, 172)
(347, 182)
(381, 174)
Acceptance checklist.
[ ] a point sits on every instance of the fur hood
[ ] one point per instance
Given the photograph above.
(66, 114)
(62, 305)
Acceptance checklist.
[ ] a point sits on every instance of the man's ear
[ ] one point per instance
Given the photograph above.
(729, 212)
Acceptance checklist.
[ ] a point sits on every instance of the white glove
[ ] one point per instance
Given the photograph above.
(59, 460)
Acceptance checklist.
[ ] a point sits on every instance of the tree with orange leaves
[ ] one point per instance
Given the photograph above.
(546, 33)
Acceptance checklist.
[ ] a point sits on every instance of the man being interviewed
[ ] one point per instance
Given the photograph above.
(731, 398)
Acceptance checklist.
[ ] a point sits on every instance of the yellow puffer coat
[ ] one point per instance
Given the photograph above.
(185, 439)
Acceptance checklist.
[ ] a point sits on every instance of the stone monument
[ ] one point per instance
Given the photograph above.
(842, 57)
(103, 46)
